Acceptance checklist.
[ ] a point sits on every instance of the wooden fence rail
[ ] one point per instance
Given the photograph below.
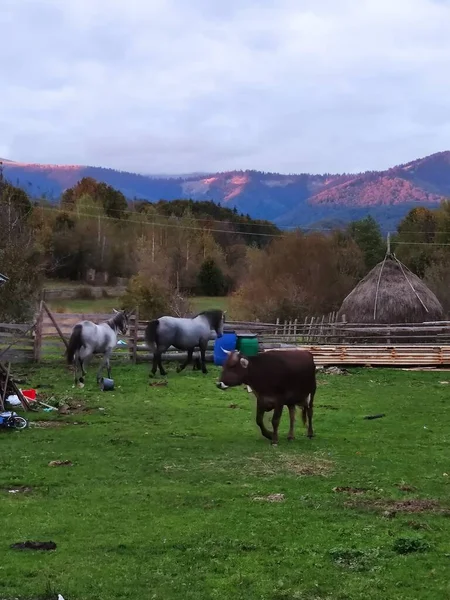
(330, 340)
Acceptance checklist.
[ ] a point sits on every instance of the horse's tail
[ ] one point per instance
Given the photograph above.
(75, 343)
(151, 334)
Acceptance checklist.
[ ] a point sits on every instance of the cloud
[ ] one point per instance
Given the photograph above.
(174, 86)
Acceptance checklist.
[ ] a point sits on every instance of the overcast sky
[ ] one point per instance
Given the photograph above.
(175, 86)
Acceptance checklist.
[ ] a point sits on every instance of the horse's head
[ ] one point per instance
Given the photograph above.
(216, 319)
(121, 320)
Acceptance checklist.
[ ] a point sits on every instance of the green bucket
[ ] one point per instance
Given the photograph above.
(247, 344)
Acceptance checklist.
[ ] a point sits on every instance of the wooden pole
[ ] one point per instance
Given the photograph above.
(55, 325)
(3, 395)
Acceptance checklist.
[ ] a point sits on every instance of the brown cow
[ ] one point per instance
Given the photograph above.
(277, 379)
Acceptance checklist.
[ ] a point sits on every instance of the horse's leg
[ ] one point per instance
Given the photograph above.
(197, 364)
(187, 361)
(105, 363)
(161, 368)
(76, 359)
(202, 356)
(83, 354)
(155, 364)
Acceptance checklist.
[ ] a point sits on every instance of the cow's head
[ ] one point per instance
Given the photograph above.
(234, 370)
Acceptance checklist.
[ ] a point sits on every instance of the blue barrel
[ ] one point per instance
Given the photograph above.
(228, 342)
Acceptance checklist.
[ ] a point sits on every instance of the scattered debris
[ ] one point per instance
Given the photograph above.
(34, 546)
(350, 490)
(404, 487)
(444, 382)
(371, 417)
(416, 525)
(18, 489)
(332, 370)
(270, 498)
(60, 463)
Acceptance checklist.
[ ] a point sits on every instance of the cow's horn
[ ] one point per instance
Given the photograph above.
(226, 351)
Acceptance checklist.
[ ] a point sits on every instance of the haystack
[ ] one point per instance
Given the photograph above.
(391, 293)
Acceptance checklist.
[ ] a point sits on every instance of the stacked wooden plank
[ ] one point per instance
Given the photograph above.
(379, 355)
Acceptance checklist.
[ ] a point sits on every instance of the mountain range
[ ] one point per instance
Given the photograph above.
(303, 200)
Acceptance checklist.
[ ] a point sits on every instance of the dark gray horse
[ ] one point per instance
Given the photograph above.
(88, 338)
(183, 334)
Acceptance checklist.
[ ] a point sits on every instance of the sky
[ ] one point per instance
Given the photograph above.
(181, 86)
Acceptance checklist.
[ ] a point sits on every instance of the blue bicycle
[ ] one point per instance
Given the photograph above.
(11, 420)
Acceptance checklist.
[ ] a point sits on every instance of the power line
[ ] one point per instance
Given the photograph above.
(170, 225)
(231, 232)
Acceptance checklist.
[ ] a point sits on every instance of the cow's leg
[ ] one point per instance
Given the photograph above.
(186, 362)
(277, 412)
(291, 422)
(309, 410)
(260, 422)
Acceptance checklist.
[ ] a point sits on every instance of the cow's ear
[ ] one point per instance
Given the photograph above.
(244, 363)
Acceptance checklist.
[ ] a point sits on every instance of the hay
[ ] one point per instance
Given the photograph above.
(391, 293)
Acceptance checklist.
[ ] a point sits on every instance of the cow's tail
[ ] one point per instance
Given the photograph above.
(75, 343)
(151, 334)
(304, 415)
(305, 409)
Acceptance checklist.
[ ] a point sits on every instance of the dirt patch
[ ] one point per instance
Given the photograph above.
(158, 383)
(350, 490)
(327, 407)
(34, 546)
(54, 424)
(233, 406)
(391, 507)
(270, 498)
(299, 465)
(17, 489)
(60, 463)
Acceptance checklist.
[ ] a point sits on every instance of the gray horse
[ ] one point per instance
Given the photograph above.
(87, 339)
(183, 334)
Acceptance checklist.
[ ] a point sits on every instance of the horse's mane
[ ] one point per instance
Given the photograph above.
(118, 319)
(214, 317)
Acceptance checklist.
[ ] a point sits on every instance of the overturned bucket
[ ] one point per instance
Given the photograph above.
(106, 385)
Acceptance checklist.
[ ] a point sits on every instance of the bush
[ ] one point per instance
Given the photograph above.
(211, 278)
(154, 299)
(406, 545)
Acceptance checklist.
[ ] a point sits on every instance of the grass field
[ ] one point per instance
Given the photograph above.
(105, 305)
(171, 493)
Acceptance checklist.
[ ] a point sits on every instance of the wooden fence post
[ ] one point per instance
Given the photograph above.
(38, 333)
(135, 335)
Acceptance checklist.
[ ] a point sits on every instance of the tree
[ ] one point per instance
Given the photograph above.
(113, 202)
(211, 279)
(416, 234)
(367, 235)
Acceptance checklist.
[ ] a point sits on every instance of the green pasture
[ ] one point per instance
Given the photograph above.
(173, 493)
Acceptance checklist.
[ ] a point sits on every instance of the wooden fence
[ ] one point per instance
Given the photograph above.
(331, 341)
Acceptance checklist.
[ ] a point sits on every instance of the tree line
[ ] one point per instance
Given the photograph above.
(168, 251)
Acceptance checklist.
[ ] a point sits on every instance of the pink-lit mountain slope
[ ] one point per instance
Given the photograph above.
(286, 199)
